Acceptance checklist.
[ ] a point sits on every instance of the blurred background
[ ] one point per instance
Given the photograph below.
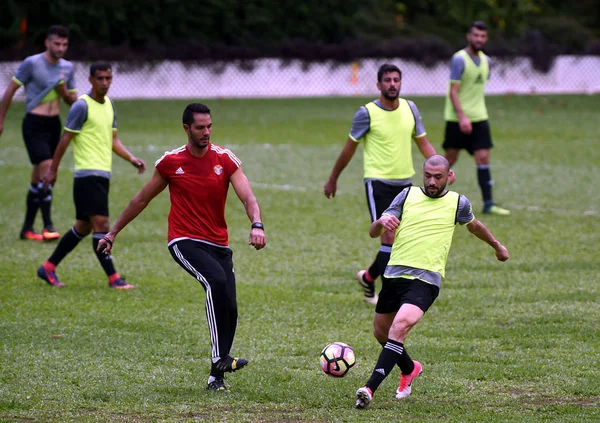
(260, 48)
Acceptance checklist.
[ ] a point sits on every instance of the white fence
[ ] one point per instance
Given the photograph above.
(277, 78)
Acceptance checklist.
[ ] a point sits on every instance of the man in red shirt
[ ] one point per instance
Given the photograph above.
(198, 175)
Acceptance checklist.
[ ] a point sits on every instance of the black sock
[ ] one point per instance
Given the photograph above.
(484, 177)
(405, 363)
(32, 206)
(104, 259)
(66, 244)
(381, 260)
(389, 356)
(45, 203)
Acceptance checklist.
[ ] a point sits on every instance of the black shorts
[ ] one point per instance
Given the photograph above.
(41, 135)
(398, 291)
(90, 194)
(480, 138)
(380, 195)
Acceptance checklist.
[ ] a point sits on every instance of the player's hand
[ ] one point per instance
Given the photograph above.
(257, 238)
(49, 178)
(389, 222)
(61, 90)
(329, 189)
(139, 164)
(451, 177)
(465, 126)
(501, 253)
(105, 244)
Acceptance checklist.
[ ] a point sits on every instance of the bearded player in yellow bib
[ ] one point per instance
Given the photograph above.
(423, 220)
(465, 112)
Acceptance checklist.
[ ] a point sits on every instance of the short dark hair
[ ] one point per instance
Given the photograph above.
(480, 25)
(59, 31)
(387, 68)
(96, 66)
(193, 108)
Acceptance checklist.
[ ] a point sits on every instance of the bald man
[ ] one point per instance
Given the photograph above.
(423, 219)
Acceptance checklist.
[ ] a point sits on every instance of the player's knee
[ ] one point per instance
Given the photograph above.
(400, 328)
(482, 157)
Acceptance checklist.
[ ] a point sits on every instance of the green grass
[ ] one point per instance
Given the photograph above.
(512, 342)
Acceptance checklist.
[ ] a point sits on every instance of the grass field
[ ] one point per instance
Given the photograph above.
(512, 342)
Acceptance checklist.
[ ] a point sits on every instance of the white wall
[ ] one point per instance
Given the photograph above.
(275, 78)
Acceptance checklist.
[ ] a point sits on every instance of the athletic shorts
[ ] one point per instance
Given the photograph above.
(398, 291)
(41, 135)
(480, 138)
(90, 194)
(380, 195)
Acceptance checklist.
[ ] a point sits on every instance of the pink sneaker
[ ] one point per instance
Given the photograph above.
(368, 287)
(406, 381)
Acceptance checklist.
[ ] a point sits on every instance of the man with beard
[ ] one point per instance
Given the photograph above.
(424, 220)
(386, 127)
(198, 175)
(46, 77)
(466, 115)
(92, 126)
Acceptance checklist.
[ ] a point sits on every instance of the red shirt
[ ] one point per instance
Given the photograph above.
(198, 188)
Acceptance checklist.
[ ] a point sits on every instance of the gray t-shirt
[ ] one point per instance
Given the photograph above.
(464, 215)
(40, 77)
(361, 124)
(362, 121)
(77, 116)
(457, 66)
(79, 112)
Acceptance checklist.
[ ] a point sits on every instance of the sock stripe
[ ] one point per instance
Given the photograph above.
(398, 349)
(77, 234)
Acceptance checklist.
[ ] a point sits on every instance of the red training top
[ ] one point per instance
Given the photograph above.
(198, 189)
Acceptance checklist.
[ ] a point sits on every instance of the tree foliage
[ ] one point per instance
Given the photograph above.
(428, 30)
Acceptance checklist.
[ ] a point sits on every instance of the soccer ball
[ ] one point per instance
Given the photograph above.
(336, 359)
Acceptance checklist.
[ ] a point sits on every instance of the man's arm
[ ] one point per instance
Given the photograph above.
(138, 203)
(480, 231)
(463, 121)
(386, 222)
(425, 146)
(340, 164)
(50, 176)
(242, 188)
(122, 152)
(6, 101)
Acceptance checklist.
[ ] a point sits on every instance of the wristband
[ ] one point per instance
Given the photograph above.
(258, 225)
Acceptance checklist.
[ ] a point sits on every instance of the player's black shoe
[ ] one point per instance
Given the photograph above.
(217, 385)
(229, 364)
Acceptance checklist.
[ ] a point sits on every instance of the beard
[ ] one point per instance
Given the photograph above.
(474, 47)
(437, 191)
(391, 97)
(199, 142)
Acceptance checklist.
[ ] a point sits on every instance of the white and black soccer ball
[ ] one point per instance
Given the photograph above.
(337, 359)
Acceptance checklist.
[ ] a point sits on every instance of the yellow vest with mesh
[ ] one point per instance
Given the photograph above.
(471, 91)
(424, 236)
(92, 147)
(387, 144)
